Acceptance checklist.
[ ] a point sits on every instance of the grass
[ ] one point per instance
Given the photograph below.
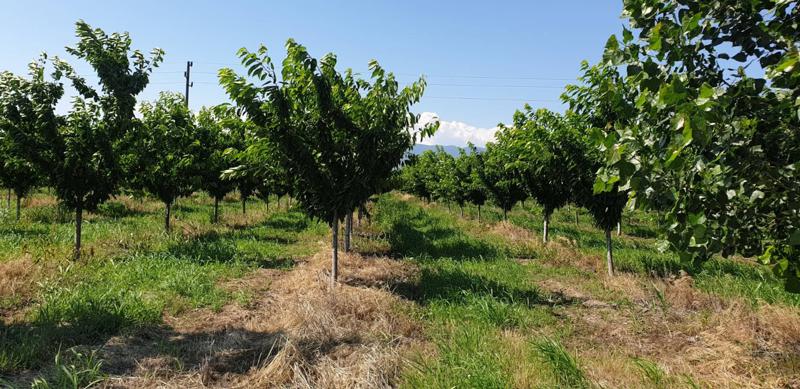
(429, 299)
(133, 273)
(635, 252)
(479, 292)
(469, 290)
(77, 370)
(564, 366)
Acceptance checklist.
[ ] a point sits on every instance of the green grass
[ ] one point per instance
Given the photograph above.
(469, 356)
(636, 252)
(473, 290)
(481, 296)
(469, 291)
(133, 273)
(76, 370)
(563, 366)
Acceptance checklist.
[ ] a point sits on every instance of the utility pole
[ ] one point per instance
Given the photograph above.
(187, 74)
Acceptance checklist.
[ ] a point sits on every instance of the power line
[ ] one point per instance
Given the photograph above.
(441, 84)
(493, 77)
(498, 86)
(449, 76)
(476, 98)
(487, 98)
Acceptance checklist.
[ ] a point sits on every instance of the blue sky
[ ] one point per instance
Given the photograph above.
(483, 60)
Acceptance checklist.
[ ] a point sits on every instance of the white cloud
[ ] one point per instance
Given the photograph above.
(455, 133)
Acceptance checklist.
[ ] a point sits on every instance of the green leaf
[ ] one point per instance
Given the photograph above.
(655, 38)
(599, 186)
(695, 219)
(612, 52)
(757, 194)
(694, 22)
(627, 35)
(705, 95)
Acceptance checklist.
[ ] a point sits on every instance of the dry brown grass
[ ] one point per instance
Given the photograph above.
(725, 343)
(18, 286)
(296, 334)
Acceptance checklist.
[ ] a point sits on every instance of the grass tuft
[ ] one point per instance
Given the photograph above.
(563, 365)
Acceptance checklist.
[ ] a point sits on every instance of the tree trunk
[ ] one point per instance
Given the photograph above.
(244, 205)
(348, 230)
(167, 212)
(505, 214)
(545, 229)
(448, 207)
(8, 199)
(479, 213)
(619, 228)
(216, 209)
(461, 207)
(577, 220)
(266, 201)
(335, 246)
(78, 225)
(360, 215)
(609, 255)
(18, 201)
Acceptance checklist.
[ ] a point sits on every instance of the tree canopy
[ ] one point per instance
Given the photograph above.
(705, 126)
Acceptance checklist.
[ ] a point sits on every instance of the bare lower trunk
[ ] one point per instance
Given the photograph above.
(505, 214)
(479, 214)
(18, 201)
(8, 199)
(577, 220)
(78, 225)
(619, 228)
(448, 207)
(335, 246)
(216, 209)
(167, 212)
(461, 207)
(545, 229)
(360, 215)
(609, 255)
(244, 206)
(348, 231)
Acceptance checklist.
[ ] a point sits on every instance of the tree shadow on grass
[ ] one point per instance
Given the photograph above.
(416, 234)
(215, 247)
(215, 355)
(281, 228)
(151, 349)
(640, 231)
(287, 221)
(455, 286)
(118, 210)
(31, 345)
(24, 232)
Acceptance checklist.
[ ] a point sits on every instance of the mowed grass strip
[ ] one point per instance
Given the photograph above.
(501, 309)
(134, 272)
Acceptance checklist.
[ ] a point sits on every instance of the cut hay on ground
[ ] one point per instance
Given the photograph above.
(295, 334)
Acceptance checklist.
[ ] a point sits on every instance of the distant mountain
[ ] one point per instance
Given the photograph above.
(452, 150)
